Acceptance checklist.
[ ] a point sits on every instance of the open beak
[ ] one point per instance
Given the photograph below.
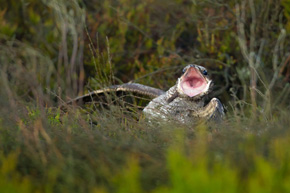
(193, 82)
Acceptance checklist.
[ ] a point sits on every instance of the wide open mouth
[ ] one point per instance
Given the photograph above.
(193, 83)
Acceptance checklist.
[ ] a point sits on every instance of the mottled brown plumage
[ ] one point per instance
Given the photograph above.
(184, 102)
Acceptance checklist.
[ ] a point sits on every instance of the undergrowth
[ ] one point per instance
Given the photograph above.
(52, 51)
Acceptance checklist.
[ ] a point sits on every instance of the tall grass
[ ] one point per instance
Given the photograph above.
(51, 51)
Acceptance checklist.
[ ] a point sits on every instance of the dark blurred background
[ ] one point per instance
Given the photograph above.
(75, 45)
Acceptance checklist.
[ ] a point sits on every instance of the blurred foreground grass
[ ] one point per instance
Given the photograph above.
(51, 51)
(48, 152)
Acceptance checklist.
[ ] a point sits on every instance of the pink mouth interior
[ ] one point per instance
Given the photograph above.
(193, 83)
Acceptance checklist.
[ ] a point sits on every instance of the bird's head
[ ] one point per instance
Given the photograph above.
(195, 82)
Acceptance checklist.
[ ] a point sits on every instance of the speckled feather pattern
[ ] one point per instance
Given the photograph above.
(173, 104)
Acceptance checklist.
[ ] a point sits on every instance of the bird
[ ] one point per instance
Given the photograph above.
(184, 102)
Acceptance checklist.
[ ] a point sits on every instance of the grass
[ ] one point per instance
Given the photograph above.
(70, 155)
(53, 51)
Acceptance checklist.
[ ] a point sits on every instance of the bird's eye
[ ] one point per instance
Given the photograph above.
(204, 72)
(184, 70)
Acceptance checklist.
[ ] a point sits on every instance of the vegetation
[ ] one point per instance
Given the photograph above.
(54, 50)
